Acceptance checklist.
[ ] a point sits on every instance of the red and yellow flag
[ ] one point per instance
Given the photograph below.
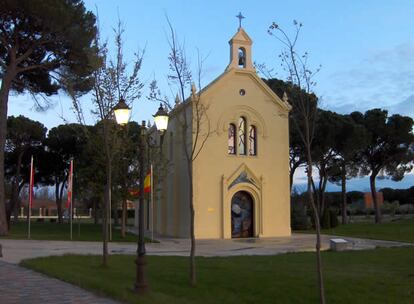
(147, 186)
(147, 183)
(70, 185)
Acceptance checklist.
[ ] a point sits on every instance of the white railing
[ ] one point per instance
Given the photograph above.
(52, 213)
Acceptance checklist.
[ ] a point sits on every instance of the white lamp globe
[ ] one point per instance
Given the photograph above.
(122, 112)
(161, 119)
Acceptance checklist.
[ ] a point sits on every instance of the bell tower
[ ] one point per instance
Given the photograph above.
(241, 50)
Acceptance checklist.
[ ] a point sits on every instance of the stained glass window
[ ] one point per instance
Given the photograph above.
(252, 140)
(242, 136)
(232, 139)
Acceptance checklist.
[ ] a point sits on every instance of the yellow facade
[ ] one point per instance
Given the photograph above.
(223, 182)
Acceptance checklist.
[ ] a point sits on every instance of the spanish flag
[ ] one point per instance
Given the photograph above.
(70, 185)
(147, 183)
(147, 186)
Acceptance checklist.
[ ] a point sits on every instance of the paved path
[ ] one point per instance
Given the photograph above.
(20, 286)
(16, 250)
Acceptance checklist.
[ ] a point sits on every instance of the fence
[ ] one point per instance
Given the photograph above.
(48, 213)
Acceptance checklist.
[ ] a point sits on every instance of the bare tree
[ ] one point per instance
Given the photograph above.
(112, 82)
(192, 118)
(303, 115)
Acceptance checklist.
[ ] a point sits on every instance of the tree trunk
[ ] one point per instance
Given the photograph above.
(192, 234)
(58, 202)
(124, 217)
(115, 213)
(16, 210)
(59, 186)
(4, 98)
(374, 198)
(13, 201)
(140, 285)
(291, 175)
(322, 194)
(19, 201)
(15, 188)
(107, 196)
(95, 212)
(343, 195)
(307, 142)
(318, 233)
(189, 158)
(59, 210)
(316, 196)
(105, 213)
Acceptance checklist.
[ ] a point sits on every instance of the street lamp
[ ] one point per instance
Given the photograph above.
(161, 123)
(161, 119)
(122, 112)
(122, 115)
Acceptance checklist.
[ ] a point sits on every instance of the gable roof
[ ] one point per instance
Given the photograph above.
(241, 35)
(286, 106)
(260, 83)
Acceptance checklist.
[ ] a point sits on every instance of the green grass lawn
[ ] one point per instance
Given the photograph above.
(398, 230)
(375, 276)
(54, 231)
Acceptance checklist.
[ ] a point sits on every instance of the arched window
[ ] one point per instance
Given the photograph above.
(242, 136)
(242, 58)
(232, 139)
(252, 140)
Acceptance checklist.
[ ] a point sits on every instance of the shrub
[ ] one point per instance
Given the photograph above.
(406, 209)
(333, 216)
(329, 218)
(299, 217)
(369, 212)
(326, 219)
(390, 208)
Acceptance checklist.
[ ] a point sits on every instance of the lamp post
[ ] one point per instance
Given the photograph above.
(161, 123)
(122, 115)
(122, 112)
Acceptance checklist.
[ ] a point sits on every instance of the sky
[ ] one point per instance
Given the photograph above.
(365, 48)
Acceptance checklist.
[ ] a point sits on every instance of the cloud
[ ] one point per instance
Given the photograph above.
(385, 78)
(405, 107)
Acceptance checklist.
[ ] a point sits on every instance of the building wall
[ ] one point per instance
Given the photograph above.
(215, 169)
(369, 202)
(172, 206)
(216, 174)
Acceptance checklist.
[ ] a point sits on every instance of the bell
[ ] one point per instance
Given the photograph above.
(242, 60)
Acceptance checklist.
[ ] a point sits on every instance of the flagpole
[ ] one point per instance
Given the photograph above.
(152, 206)
(30, 196)
(30, 214)
(110, 214)
(70, 186)
(70, 215)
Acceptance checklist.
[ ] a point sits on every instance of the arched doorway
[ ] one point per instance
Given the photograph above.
(242, 215)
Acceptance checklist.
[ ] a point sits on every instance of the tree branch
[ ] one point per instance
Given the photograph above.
(37, 66)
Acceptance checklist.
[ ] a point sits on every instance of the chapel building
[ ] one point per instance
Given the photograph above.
(241, 174)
